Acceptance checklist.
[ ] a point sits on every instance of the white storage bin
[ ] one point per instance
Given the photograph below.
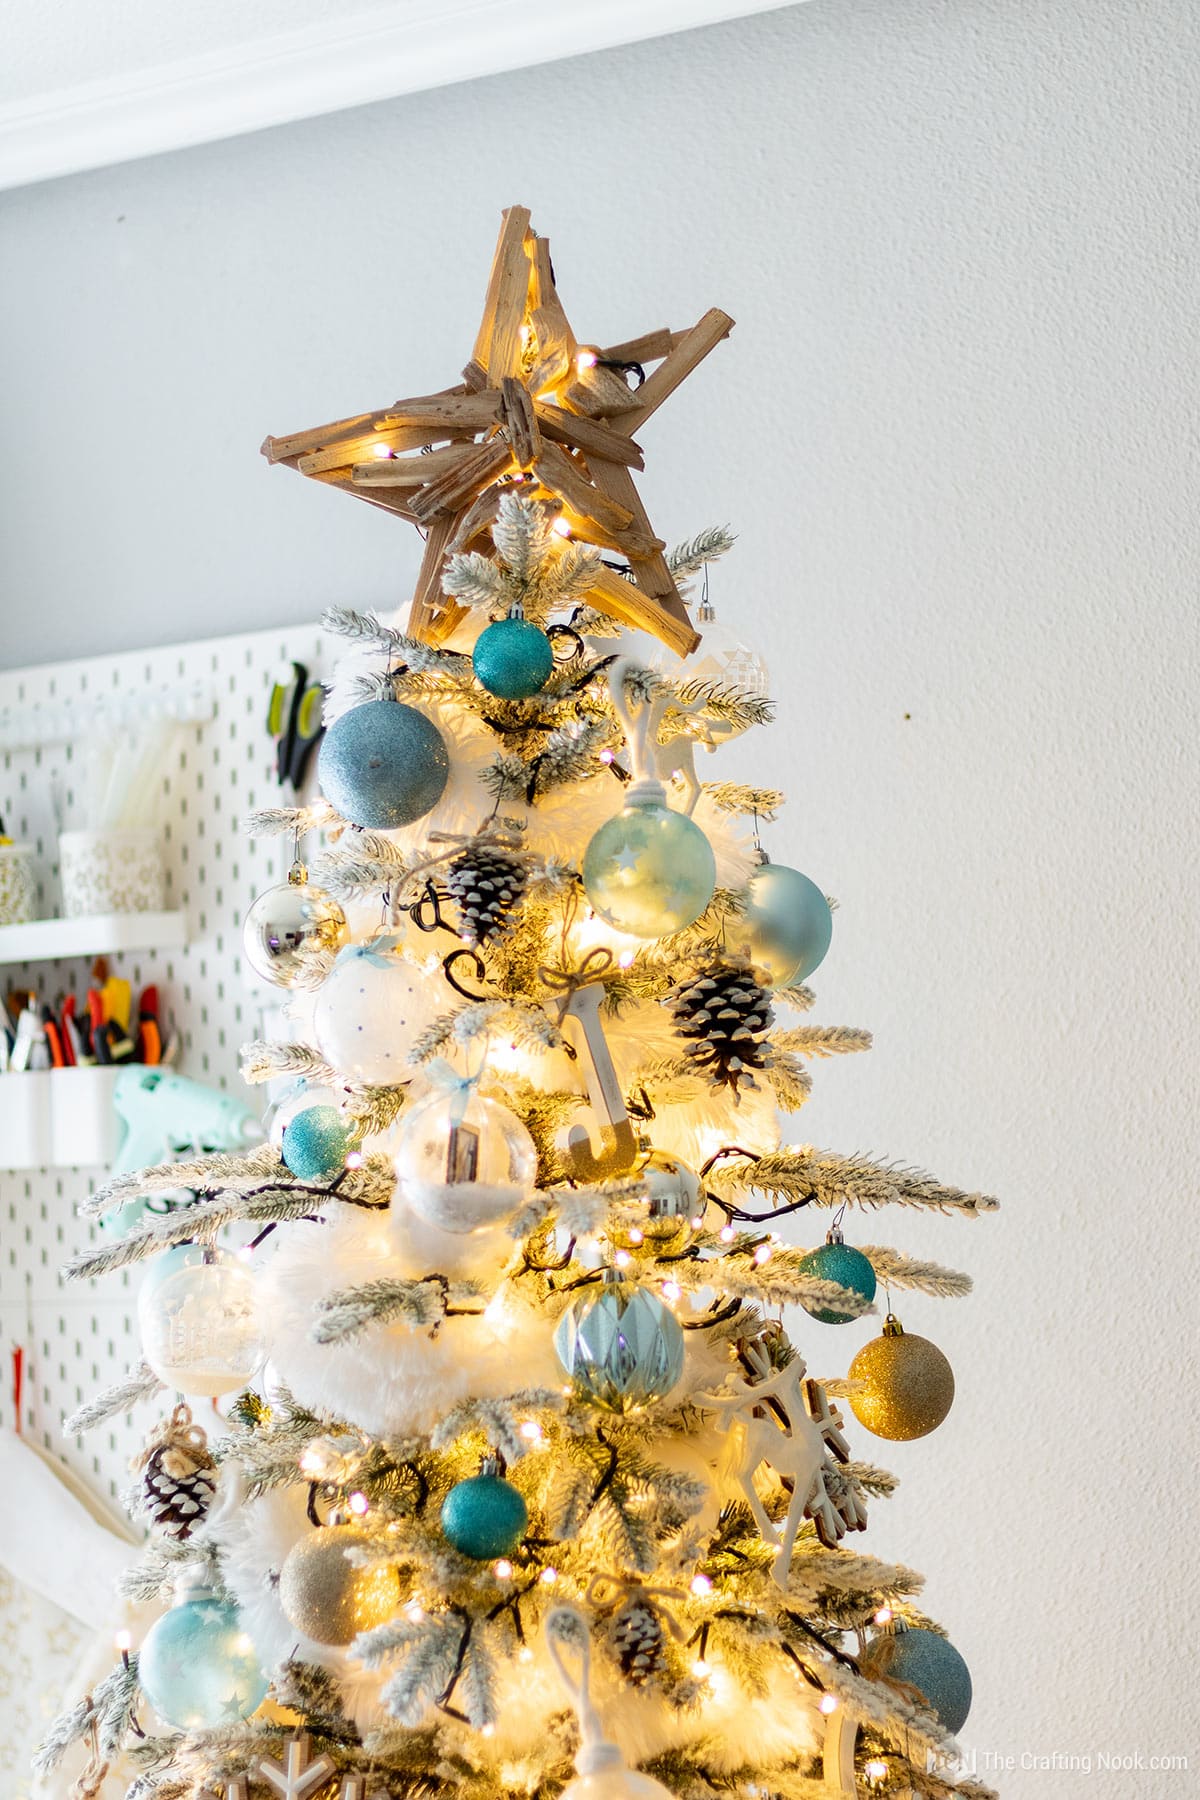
(110, 872)
(25, 1133)
(84, 1126)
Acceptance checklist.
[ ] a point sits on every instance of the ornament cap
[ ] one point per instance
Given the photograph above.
(892, 1326)
(835, 1235)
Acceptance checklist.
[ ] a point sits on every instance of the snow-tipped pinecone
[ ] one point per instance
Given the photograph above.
(638, 1638)
(724, 1012)
(485, 882)
(179, 1475)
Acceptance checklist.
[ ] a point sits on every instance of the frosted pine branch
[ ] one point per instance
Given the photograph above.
(365, 628)
(140, 1384)
(687, 560)
(798, 998)
(474, 580)
(879, 1484)
(286, 821)
(344, 1314)
(778, 1282)
(227, 1170)
(262, 1061)
(737, 797)
(731, 706)
(523, 536)
(499, 1420)
(476, 1689)
(107, 1706)
(894, 1270)
(826, 1179)
(822, 1040)
(790, 1080)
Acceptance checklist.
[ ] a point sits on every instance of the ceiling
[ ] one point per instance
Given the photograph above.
(84, 83)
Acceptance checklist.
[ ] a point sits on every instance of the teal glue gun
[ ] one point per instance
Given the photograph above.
(163, 1115)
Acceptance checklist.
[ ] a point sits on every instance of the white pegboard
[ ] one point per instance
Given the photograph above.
(77, 1339)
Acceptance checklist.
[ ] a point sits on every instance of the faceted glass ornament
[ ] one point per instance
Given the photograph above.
(326, 1596)
(463, 1160)
(197, 1666)
(287, 930)
(383, 765)
(909, 1385)
(931, 1664)
(786, 926)
(513, 659)
(836, 1261)
(370, 1011)
(649, 871)
(621, 1346)
(484, 1516)
(196, 1310)
(316, 1142)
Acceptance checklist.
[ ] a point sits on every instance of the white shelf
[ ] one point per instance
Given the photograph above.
(42, 940)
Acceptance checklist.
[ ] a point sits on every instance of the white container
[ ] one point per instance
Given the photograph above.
(25, 1133)
(111, 872)
(18, 885)
(84, 1128)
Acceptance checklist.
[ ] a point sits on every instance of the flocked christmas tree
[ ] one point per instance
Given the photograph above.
(521, 1485)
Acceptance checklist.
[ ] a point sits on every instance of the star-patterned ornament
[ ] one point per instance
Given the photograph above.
(537, 409)
(297, 1778)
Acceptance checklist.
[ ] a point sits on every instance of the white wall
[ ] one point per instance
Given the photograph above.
(954, 429)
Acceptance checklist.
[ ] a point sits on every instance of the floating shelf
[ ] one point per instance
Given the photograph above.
(100, 934)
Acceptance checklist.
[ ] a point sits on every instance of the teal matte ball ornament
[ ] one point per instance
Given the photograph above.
(197, 1667)
(513, 658)
(621, 1346)
(786, 926)
(649, 871)
(484, 1516)
(836, 1261)
(316, 1143)
(383, 765)
(934, 1667)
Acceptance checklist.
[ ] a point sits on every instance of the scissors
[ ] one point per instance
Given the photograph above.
(294, 721)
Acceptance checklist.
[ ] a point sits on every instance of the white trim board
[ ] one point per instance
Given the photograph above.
(402, 48)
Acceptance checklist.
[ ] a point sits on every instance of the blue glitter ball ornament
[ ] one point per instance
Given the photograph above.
(484, 1516)
(621, 1346)
(513, 658)
(934, 1667)
(316, 1141)
(383, 765)
(197, 1667)
(649, 871)
(786, 926)
(836, 1261)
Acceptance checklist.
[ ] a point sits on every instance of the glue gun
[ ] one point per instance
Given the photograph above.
(162, 1114)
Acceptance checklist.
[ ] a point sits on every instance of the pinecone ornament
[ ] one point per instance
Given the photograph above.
(724, 1013)
(485, 882)
(179, 1475)
(639, 1640)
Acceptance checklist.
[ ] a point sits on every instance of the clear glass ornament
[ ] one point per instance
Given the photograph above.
(197, 1665)
(649, 871)
(197, 1314)
(725, 660)
(621, 1346)
(289, 928)
(463, 1160)
(370, 1011)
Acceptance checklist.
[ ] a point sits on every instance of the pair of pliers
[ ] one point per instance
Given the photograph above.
(294, 721)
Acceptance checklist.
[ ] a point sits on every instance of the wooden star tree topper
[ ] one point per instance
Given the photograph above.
(535, 409)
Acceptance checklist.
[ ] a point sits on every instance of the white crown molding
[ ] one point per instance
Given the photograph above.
(399, 49)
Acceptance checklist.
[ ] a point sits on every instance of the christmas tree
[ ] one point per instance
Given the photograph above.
(521, 1485)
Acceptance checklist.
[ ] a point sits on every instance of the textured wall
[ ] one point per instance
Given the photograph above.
(953, 427)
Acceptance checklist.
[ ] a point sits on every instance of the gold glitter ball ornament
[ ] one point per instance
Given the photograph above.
(326, 1597)
(909, 1384)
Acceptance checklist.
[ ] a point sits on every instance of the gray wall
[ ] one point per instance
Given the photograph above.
(953, 427)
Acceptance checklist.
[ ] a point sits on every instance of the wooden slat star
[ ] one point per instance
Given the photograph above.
(298, 1777)
(535, 408)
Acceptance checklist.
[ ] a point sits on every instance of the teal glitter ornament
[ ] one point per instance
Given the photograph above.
(383, 765)
(933, 1666)
(484, 1516)
(197, 1666)
(513, 658)
(316, 1143)
(835, 1260)
(786, 926)
(649, 871)
(621, 1346)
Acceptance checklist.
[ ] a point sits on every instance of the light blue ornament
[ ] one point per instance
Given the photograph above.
(383, 765)
(513, 658)
(316, 1142)
(197, 1666)
(621, 1346)
(484, 1516)
(786, 926)
(649, 871)
(934, 1667)
(836, 1261)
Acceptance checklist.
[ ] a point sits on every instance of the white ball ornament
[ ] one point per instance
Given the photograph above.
(370, 1011)
(198, 1319)
(463, 1161)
